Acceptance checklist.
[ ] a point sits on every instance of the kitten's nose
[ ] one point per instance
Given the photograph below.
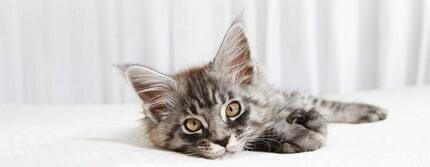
(222, 142)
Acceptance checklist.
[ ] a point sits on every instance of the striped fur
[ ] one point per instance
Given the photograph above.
(269, 120)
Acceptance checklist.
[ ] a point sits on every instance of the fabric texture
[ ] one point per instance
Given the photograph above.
(63, 51)
(110, 135)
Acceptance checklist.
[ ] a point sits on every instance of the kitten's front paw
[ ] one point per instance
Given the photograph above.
(304, 142)
(370, 113)
(289, 148)
(297, 116)
(311, 119)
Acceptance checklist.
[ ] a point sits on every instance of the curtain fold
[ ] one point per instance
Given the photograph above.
(64, 51)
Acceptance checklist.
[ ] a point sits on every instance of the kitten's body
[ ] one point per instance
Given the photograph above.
(269, 120)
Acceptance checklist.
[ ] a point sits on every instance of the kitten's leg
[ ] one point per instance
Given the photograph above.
(335, 111)
(306, 132)
(352, 112)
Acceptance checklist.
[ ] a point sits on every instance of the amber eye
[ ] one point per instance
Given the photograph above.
(232, 110)
(192, 124)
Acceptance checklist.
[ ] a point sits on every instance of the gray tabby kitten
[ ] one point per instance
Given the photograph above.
(226, 106)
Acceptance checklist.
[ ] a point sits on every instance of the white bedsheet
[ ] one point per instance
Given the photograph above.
(108, 135)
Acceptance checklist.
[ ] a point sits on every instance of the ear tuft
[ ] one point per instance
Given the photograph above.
(234, 56)
(153, 88)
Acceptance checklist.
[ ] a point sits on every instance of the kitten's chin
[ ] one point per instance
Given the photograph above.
(216, 155)
(235, 148)
(223, 154)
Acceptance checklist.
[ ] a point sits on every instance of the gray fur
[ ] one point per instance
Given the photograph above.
(270, 120)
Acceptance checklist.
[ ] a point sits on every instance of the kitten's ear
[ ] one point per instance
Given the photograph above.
(153, 88)
(234, 56)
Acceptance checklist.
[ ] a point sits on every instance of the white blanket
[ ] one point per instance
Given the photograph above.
(109, 135)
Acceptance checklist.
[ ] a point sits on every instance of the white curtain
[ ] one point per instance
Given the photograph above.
(63, 51)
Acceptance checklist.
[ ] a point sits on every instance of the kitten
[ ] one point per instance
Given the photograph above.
(226, 106)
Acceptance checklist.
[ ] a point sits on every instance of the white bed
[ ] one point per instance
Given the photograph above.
(109, 135)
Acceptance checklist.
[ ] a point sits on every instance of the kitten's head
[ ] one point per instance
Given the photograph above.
(208, 111)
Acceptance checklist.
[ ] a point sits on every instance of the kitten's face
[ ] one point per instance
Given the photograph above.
(211, 118)
(211, 128)
(207, 111)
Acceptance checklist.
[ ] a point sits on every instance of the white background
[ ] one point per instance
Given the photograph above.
(62, 51)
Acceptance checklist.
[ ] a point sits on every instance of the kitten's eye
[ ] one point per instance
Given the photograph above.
(233, 109)
(192, 124)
